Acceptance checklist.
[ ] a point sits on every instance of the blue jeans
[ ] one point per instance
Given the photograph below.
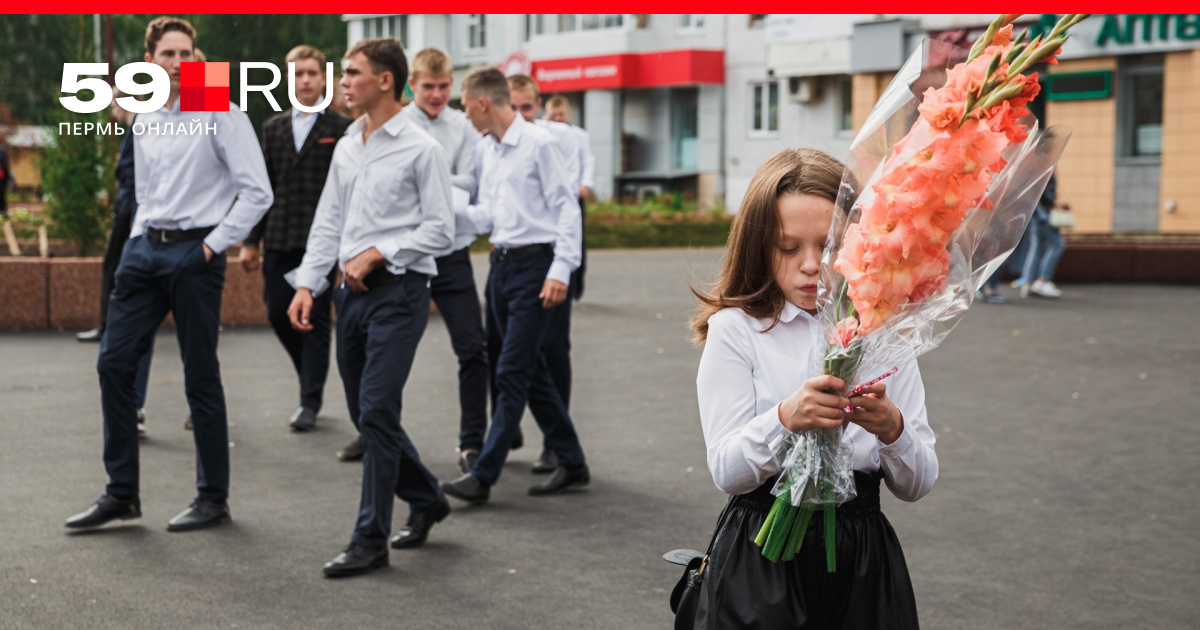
(377, 336)
(518, 322)
(155, 278)
(1046, 246)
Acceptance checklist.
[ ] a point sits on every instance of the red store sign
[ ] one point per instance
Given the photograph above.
(642, 70)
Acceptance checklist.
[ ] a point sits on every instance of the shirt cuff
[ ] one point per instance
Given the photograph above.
(560, 270)
(300, 279)
(898, 449)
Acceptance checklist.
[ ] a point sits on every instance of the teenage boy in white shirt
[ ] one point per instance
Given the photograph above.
(528, 204)
(197, 195)
(453, 289)
(526, 101)
(383, 215)
(558, 109)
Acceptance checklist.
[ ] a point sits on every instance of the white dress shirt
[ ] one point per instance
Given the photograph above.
(458, 137)
(745, 373)
(525, 196)
(302, 123)
(570, 144)
(190, 181)
(587, 159)
(391, 193)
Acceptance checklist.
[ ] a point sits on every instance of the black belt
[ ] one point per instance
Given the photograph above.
(504, 252)
(382, 277)
(175, 236)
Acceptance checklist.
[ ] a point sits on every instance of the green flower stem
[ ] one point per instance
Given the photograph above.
(830, 533)
(762, 533)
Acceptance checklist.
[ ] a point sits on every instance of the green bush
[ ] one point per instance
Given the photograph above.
(76, 169)
(651, 223)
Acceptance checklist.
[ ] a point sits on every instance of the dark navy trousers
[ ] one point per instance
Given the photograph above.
(155, 278)
(309, 351)
(518, 324)
(453, 289)
(378, 332)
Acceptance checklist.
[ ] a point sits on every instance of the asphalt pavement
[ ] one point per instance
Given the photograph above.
(1067, 434)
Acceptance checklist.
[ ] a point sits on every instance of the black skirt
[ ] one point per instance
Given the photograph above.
(870, 589)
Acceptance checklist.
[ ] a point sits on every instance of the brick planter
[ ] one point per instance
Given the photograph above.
(65, 293)
(1175, 262)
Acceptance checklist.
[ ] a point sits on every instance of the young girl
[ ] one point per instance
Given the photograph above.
(756, 383)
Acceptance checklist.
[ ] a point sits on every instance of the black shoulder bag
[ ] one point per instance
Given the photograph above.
(685, 597)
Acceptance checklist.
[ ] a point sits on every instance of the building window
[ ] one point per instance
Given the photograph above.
(685, 118)
(846, 104)
(388, 26)
(764, 103)
(1141, 105)
(568, 23)
(476, 31)
(758, 21)
(691, 22)
(535, 24)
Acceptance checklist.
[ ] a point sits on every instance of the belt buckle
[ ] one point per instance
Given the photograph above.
(164, 237)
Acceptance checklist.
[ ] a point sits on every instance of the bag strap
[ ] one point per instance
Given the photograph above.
(720, 523)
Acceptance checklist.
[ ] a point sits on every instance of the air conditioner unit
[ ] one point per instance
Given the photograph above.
(804, 89)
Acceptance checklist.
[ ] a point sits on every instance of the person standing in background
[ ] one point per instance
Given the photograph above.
(298, 148)
(122, 223)
(558, 109)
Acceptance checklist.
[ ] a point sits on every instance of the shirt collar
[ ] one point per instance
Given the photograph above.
(299, 115)
(395, 124)
(512, 136)
(791, 312)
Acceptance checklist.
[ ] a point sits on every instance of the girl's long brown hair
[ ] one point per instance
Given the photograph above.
(747, 277)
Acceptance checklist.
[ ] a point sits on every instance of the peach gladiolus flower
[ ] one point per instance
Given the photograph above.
(845, 332)
(942, 109)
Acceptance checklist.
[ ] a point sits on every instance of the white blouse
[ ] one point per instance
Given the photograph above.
(745, 373)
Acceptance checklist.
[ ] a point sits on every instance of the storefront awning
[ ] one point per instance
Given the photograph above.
(657, 69)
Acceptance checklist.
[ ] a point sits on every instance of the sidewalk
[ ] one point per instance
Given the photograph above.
(1067, 440)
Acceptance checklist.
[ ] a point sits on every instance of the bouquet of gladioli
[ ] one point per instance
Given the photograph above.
(938, 188)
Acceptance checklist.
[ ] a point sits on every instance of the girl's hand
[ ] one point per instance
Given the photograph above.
(810, 407)
(876, 413)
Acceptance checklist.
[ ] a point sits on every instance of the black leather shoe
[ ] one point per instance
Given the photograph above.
(353, 451)
(546, 463)
(517, 442)
(199, 515)
(304, 419)
(106, 509)
(93, 335)
(563, 479)
(466, 461)
(356, 560)
(414, 533)
(468, 488)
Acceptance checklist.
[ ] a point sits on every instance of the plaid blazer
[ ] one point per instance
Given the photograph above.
(297, 178)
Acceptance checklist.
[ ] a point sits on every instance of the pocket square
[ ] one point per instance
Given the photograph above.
(327, 140)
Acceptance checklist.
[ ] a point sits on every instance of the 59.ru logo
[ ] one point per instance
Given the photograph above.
(203, 86)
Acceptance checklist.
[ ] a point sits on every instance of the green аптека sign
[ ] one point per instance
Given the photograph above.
(1126, 29)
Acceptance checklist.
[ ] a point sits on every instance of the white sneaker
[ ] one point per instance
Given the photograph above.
(141, 423)
(1046, 289)
(1024, 287)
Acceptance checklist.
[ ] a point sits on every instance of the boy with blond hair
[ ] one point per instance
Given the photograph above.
(453, 289)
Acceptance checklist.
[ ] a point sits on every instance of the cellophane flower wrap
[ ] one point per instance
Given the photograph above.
(938, 188)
